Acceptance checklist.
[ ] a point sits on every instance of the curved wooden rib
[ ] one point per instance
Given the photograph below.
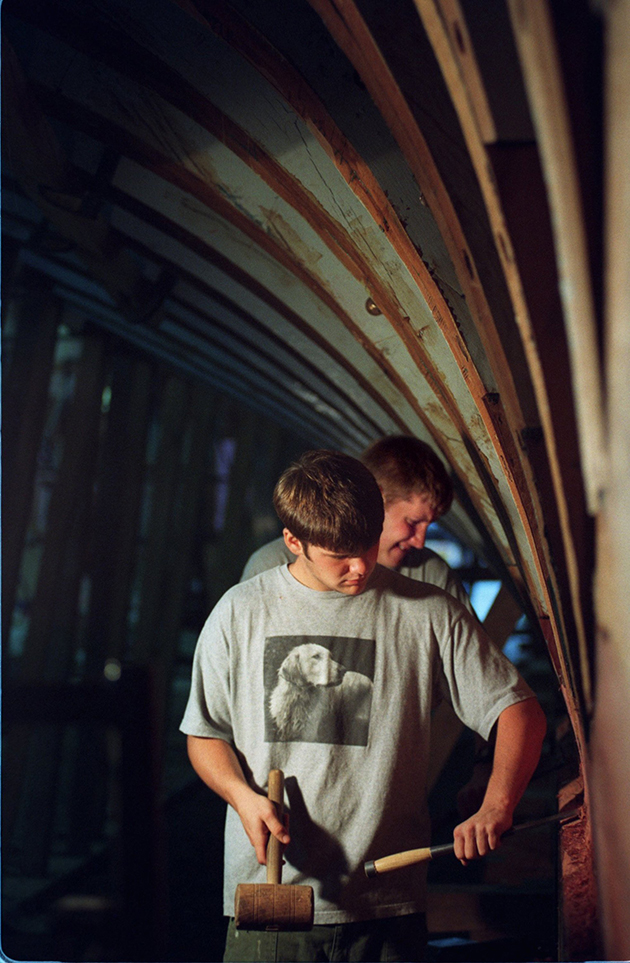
(189, 180)
(434, 15)
(534, 34)
(363, 183)
(347, 26)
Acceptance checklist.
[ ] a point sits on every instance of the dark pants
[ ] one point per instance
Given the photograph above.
(397, 939)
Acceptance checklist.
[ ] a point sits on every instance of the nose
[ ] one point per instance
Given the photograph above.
(419, 536)
(358, 565)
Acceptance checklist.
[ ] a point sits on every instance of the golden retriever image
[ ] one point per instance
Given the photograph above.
(317, 699)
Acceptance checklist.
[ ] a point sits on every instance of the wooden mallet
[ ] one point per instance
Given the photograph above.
(271, 905)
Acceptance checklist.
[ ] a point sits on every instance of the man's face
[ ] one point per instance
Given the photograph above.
(327, 571)
(405, 526)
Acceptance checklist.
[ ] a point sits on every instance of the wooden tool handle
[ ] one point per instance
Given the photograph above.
(374, 867)
(386, 864)
(275, 792)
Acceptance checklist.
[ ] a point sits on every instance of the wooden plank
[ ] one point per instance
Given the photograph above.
(534, 33)
(435, 16)
(39, 161)
(253, 290)
(609, 770)
(33, 758)
(24, 395)
(415, 349)
(71, 491)
(162, 478)
(227, 556)
(579, 936)
(456, 37)
(351, 33)
(183, 527)
(116, 517)
(112, 554)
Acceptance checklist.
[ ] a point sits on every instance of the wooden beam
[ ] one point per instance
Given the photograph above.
(113, 549)
(350, 30)
(116, 525)
(39, 162)
(535, 37)
(412, 341)
(163, 477)
(225, 558)
(184, 525)
(49, 647)
(24, 396)
(454, 60)
(72, 489)
(456, 37)
(609, 769)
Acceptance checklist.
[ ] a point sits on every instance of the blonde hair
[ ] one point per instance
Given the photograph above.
(404, 466)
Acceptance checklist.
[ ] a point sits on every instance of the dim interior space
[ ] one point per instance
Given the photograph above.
(235, 231)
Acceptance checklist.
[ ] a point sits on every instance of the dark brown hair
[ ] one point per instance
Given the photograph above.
(404, 466)
(330, 500)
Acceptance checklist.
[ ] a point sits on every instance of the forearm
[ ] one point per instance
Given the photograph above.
(520, 732)
(217, 764)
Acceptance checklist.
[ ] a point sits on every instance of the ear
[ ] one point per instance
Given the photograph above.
(291, 667)
(292, 543)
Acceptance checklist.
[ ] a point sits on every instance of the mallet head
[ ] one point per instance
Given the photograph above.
(273, 906)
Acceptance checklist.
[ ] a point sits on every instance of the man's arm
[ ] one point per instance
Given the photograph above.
(520, 732)
(216, 763)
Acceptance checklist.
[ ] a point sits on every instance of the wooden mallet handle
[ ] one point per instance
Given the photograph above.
(275, 792)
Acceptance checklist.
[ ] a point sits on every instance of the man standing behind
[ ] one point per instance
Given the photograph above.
(416, 490)
(354, 791)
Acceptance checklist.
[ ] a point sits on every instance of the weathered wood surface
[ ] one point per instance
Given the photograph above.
(500, 186)
(353, 33)
(407, 358)
(534, 33)
(610, 746)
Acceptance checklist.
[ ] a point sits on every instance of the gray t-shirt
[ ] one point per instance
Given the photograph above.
(337, 691)
(423, 564)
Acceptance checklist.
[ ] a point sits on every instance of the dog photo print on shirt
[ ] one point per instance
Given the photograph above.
(318, 689)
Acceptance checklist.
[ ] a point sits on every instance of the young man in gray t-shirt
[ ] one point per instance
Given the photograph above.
(329, 669)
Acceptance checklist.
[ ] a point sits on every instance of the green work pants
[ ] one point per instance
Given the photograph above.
(397, 939)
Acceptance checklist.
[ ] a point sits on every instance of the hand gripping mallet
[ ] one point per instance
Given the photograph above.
(271, 905)
(374, 867)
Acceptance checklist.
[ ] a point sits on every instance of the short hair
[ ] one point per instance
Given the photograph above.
(404, 466)
(330, 500)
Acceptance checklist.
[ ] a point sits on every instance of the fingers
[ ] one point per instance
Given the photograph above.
(476, 837)
(259, 843)
(265, 825)
(279, 829)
